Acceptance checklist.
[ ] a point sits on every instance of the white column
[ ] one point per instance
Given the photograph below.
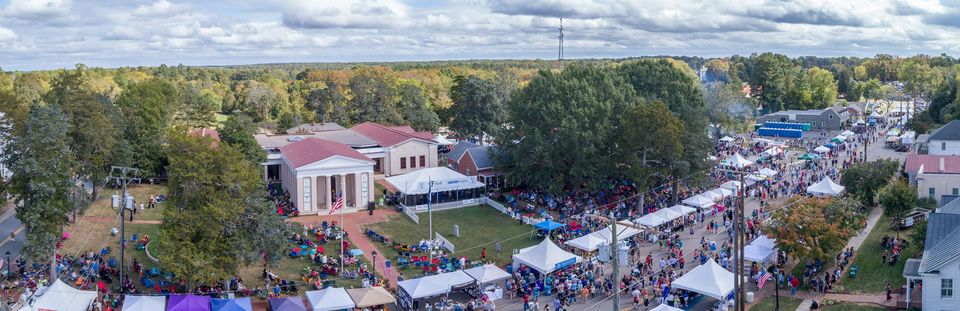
(909, 282)
(341, 187)
(266, 176)
(359, 201)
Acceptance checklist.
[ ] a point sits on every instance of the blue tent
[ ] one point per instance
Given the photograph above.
(236, 304)
(549, 225)
(831, 145)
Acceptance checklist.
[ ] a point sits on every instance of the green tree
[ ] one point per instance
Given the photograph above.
(238, 132)
(801, 231)
(864, 179)
(218, 218)
(727, 108)
(42, 168)
(416, 108)
(199, 107)
(374, 99)
(651, 138)
(771, 80)
(329, 104)
(147, 109)
(897, 198)
(477, 108)
(564, 128)
(819, 87)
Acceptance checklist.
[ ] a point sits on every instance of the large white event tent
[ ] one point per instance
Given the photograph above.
(588, 242)
(709, 279)
(772, 151)
(370, 296)
(724, 192)
(424, 287)
(414, 186)
(683, 210)
(487, 273)
(821, 149)
(726, 139)
(442, 140)
(847, 133)
(825, 188)
(765, 242)
(668, 214)
(62, 297)
(546, 257)
(736, 161)
(698, 201)
(623, 232)
(650, 220)
(144, 303)
(330, 298)
(713, 196)
(664, 307)
(762, 250)
(767, 172)
(732, 185)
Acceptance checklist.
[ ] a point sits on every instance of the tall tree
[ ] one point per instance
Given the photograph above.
(329, 104)
(147, 110)
(564, 128)
(218, 218)
(238, 132)
(477, 107)
(374, 99)
(199, 107)
(651, 138)
(42, 168)
(416, 108)
(727, 107)
(801, 231)
(864, 179)
(771, 80)
(897, 198)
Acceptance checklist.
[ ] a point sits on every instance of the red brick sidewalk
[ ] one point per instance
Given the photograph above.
(354, 228)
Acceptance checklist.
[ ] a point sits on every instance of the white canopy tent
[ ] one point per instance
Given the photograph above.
(724, 192)
(772, 151)
(546, 257)
(144, 303)
(726, 139)
(487, 273)
(893, 132)
(767, 172)
(668, 214)
(732, 185)
(454, 279)
(736, 161)
(424, 287)
(444, 179)
(840, 138)
(650, 220)
(330, 298)
(623, 232)
(825, 188)
(664, 307)
(764, 241)
(588, 242)
(709, 279)
(61, 297)
(442, 140)
(821, 149)
(756, 177)
(847, 133)
(713, 196)
(757, 253)
(698, 201)
(682, 210)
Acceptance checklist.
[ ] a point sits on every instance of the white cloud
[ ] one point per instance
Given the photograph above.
(6, 34)
(32, 9)
(344, 13)
(159, 9)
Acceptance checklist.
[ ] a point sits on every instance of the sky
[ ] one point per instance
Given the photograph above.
(47, 34)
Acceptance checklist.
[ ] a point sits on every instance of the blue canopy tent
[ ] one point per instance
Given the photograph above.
(236, 304)
(831, 145)
(549, 225)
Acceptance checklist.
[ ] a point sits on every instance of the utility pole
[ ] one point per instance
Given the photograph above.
(122, 174)
(740, 236)
(616, 258)
(560, 48)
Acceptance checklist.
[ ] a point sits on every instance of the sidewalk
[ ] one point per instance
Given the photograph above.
(354, 223)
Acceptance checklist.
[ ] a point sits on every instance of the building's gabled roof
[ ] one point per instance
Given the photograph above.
(932, 164)
(311, 149)
(347, 137)
(952, 207)
(457, 151)
(388, 136)
(942, 243)
(949, 131)
(481, 157)
(203, 131)
(310, 128)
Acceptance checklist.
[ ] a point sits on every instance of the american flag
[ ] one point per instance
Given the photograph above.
(338, 204)
(763, 279)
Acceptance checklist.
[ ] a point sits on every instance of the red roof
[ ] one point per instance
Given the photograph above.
(931, 164)
(313, 149)
(388, 136)
(203, 131)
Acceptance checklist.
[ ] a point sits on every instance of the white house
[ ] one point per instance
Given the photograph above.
(934, 175)
(939, 268)
(945, 140)
(315, 171)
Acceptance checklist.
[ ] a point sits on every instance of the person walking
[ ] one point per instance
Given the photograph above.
(889, 292)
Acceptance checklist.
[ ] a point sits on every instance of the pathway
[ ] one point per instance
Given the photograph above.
(355, 222)
(112, 220)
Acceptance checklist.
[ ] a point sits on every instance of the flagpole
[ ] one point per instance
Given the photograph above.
(343, 232)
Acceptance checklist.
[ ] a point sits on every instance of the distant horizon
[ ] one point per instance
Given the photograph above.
(56, 34)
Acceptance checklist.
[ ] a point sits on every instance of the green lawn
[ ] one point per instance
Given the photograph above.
(480, 226)
(142, 192)
(873, 275)
(295, 268)
(770, 303)
(851, 307)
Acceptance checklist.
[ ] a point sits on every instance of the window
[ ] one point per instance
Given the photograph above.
(956, 191)
(413, 162)
(933, 192)
(831, 116)
(943, 146)
(403, 163)
(946, 288)
(423, 161)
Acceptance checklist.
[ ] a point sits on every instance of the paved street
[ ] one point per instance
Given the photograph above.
(9, 223)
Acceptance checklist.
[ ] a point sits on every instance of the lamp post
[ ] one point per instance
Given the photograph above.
(776, 283)
(122, 174)
(374, 268)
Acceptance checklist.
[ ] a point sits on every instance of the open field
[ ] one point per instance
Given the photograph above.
(770, 303)
(873, 274)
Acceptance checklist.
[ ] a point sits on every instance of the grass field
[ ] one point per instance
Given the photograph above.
(480, 226)
(294, 268)
(101, 207)
(770, 303)
(874, 275)
(850, 307)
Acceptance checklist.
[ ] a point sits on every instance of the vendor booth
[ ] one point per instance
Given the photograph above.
(682, 210)
(650, 220)
(449, 189)
(434, 285)
(713, 196)
(767, 172)
(723, 192)
(623, 233)
(732, 185)
(545, 257)
(61, 297)
(821, 149)
(287, 304)
(370, 296)
(588, 243)
(727, 139)
(232, 304)
(144, 303)
(709, 279)
(825, 188)
(698, 201)
(329, 299)
(188, 303)
(736, 161)
(664, 307)
(487, 275)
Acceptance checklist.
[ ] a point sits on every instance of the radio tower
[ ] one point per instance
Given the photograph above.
(560, 48)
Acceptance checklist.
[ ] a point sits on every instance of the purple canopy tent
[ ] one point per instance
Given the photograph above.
(287, 304)
(188, 303)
